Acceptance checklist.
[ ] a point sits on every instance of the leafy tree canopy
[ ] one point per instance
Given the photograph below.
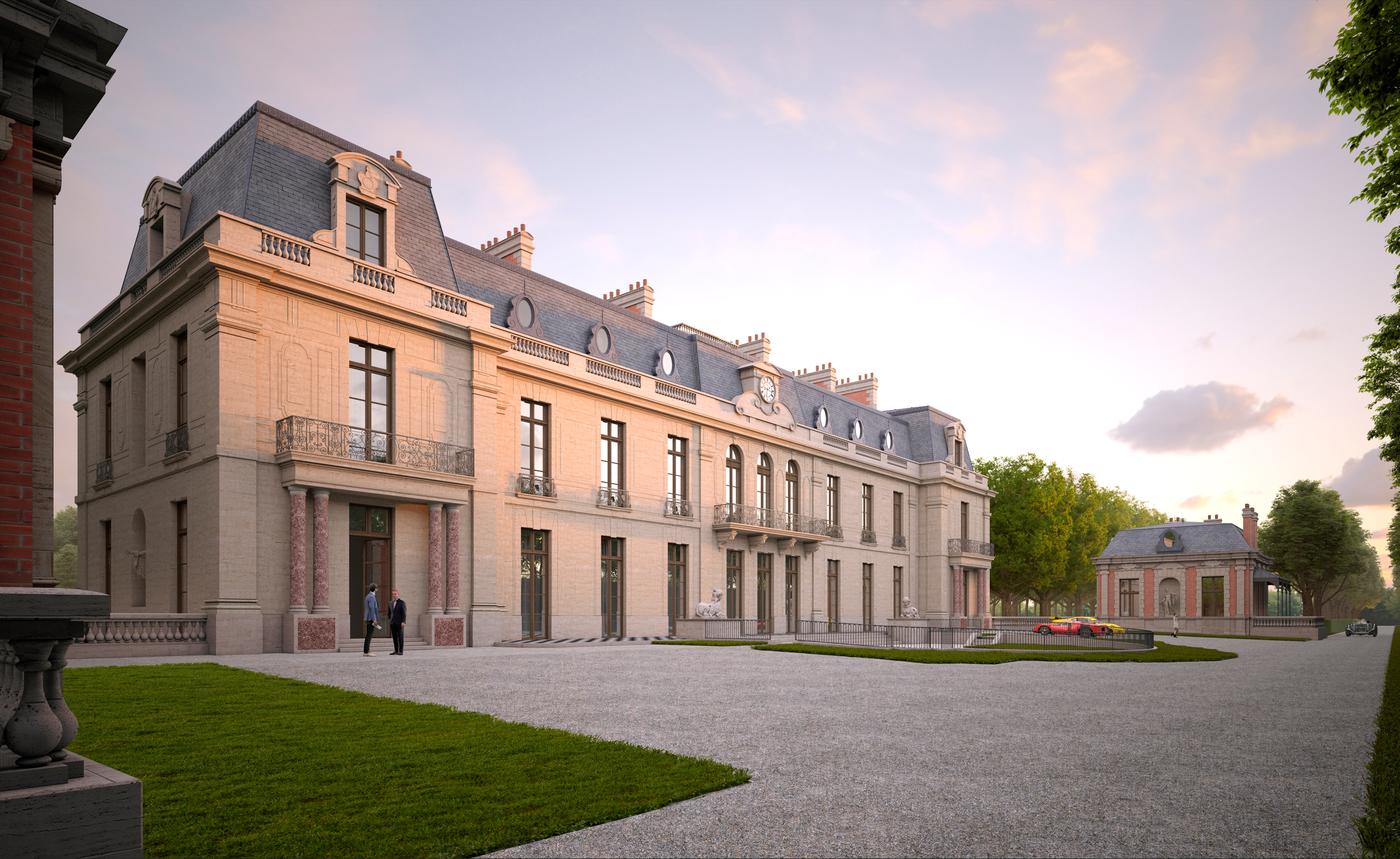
(1317, 544)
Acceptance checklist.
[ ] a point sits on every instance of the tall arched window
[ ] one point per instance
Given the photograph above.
(791, 480)
(765, 482)
(734, 476)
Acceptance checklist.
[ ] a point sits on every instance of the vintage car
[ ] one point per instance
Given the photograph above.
(1361, 627)
(1085, 626)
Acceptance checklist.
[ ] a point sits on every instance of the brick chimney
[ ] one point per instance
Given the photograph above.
(1251, 526)
(823, 376)
(518, 246)
(1212, 518)
(861, 389)
(638, 298)
(398, 159)
(757, 347)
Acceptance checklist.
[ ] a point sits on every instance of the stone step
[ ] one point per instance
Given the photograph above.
(380, 644)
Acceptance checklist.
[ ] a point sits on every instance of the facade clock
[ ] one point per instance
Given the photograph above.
(767, 390)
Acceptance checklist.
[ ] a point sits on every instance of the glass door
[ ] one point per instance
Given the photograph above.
(610, 579)
(534, 584)
(371, 561)
(791, 562)
(765, 594)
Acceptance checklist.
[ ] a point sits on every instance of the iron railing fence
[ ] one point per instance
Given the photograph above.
(611, 496)
(743, 514)
(676, 507)
(297, 434)
(534, 484)
(104, 471)
(960, 546)
(177, 440)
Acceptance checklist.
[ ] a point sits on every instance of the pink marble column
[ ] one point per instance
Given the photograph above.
(958, 578)
(296, 496)
(320, 548)
(454, 556)
(434, 557)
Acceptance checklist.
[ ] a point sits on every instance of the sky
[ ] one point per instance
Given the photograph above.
(1116, 235)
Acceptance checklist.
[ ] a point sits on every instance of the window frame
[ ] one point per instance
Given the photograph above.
(734, 476)
(355, 204)
(792, 490)
(867, 507)
(182, 378)
(833, 592)
(833, 499)
(764, 485)
(677, 468)
(533, 421)
(612, 455)
(370, 372)
(734, 584)
(1129, 597)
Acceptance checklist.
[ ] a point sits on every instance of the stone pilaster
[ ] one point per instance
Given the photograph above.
(320, 548)
(454, 557)
(435, 601)
(297, 541)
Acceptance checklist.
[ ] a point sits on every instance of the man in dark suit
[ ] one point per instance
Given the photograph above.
(398, 612)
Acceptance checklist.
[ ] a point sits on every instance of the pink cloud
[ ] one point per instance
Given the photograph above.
(1092, 80)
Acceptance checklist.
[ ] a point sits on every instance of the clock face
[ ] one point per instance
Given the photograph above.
(767, 390)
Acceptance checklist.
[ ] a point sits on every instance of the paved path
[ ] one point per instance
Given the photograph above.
(1259, 756)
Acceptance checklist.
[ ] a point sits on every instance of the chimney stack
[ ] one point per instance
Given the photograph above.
(757, 347)
(398, 159)
(638, 298)
(1251, 527)
(518, 246)
(862, 389)
(1213, 518)
(823, 376)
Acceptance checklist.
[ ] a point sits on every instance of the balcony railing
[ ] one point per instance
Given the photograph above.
(742, 514)
(676, 507)
(104, 472)
(900, 541)
(959, 546)
(177, 441)
(298, 434)
(534, 484)
(611, 496)
(867, 536)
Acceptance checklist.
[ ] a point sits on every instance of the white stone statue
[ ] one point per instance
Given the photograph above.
(907, 609)
(713, 608)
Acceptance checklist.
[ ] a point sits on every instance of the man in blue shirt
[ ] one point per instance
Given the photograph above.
(371, 616)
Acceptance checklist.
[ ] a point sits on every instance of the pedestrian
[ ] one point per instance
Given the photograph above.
(397, 612)
(371, 616)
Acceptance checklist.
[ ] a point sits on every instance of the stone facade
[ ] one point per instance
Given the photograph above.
(54, 73)
(219, 400)
(1189, 570)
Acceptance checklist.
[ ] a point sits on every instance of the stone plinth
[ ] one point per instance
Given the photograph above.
(96, 815)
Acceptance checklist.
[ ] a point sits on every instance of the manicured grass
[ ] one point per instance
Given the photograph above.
(1163, 653)
(1069, 648)
(1162, 635)
(1378, 829)
(242, 764)
(707, 642)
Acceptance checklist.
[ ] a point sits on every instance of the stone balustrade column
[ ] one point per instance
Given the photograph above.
(296, 496)
(11, 684)
(435, 601)
(320, 548)
(454, 556)
(53, 691)
(34, 730)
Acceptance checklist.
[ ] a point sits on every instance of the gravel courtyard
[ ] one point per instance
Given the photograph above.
(1263, 755)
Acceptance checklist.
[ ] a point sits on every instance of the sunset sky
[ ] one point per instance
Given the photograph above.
(1117, 235)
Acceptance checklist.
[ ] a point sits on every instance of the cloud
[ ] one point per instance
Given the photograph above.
(1308, 335)
(1364, 481)
(1198, 418)
(1195, 502)
(736, 82)
(942, 14)
(789, 109)
(1318, 26)
(1092, 81)
(1274, 139)
(1205, 341)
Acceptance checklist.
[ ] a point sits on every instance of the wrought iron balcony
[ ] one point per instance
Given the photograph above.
(297, 434)
(177, 441)
(760, 520)
(957, 546)
(676, 507)
(900, 541)
(104, 472)
(534, 484)
(867, 536)
(609, 496)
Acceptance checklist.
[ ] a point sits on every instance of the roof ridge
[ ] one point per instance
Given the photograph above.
(344, 144)
(218, 144)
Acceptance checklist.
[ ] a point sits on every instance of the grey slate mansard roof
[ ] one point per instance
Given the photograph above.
(1196, 538)
(270, 168)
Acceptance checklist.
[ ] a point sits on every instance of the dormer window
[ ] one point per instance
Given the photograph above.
(1170, 541)
(364, 231)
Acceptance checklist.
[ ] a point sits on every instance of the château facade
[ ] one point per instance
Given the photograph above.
(304, 386)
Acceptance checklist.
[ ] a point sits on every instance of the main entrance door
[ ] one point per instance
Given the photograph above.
(534, 584)
(371, 561)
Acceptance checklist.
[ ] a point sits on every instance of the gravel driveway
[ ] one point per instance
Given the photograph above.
(1259, 756)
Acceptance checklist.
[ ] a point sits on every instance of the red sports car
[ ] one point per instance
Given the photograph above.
(1085, 626)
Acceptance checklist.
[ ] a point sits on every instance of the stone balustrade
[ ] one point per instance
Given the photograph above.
(144, 635)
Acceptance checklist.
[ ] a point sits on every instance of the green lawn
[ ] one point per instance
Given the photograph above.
(1378, 829)
(707, 642)
(241, 764)
(1163, 653)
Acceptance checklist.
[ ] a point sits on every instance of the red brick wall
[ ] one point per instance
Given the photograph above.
(16, 371)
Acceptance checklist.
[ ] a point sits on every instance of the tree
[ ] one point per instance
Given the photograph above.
(65, 547)
(1363, 79)
(1317, 544)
